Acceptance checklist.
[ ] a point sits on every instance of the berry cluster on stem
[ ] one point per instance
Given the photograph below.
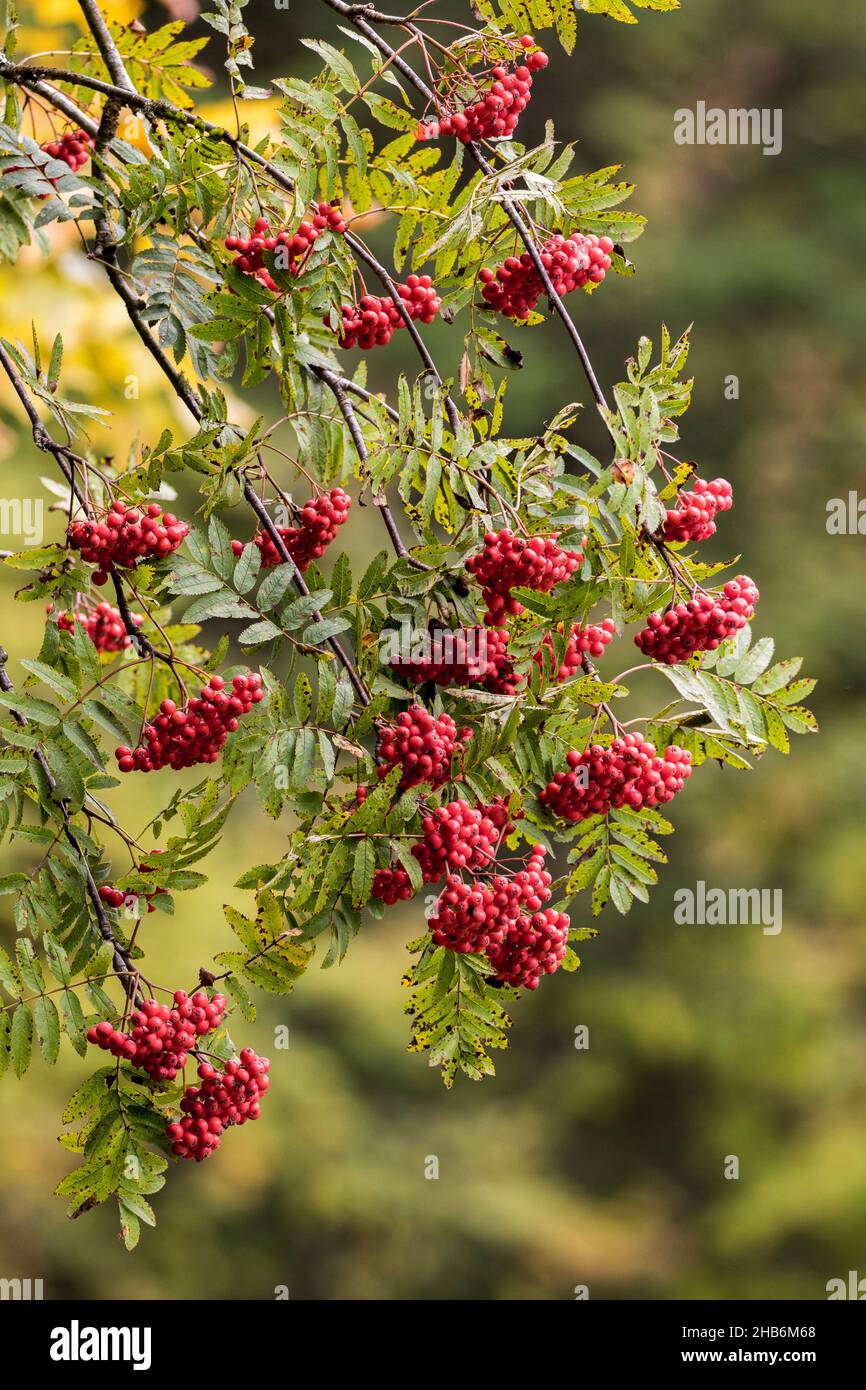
(508, 562)
(290, 249)
(627, 773)
(224, 1098)
(319, 522)
(496, 111)
(515, 287)
(103, 625)
(422, 744)
(505, 919)
(125, 535)
(195, 734)
(373, 321)
(161, 1037)
(700, 625)
(693, 518)
(73, 147)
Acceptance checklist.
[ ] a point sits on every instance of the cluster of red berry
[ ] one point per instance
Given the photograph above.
(115, 897)
(224, 1098)
(627, 773)
(455, 836)
(515, 287)
(508, 561)
(505, 919)
(422, 744)
(532, 946)
(103, 625)
(320, 519)
(73, 148)
(161, 1037)
(290, 248)
(497, 110)
(373, 321)
(699, 625)
(458, 656)
(195, 734)
(583, 641)
(126, 535)
(693, 518)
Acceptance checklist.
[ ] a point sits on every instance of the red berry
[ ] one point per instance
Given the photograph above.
(700, 625)
(693, 518)
(515, 287)
(508, 562)
(320, 519)
(196, 734)
(627, 773)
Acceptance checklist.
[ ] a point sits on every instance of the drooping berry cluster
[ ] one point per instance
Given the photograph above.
(506, 919)
(530, 948)
(373, 321)
(73, 148)
(161, 1037)
(699, 625)
(103, 625)
(457, 656)
(290, 248)
(223, 1099)
(455, 836)
(508, 561)
(126, 535)
(693, 518)
(583, 641)
(515, 287)
(195, 734)
(320, 520)
(497, 110)
(422, 744)
(627, 773)
(472, 916)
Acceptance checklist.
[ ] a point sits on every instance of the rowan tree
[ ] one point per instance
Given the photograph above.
(435, 729)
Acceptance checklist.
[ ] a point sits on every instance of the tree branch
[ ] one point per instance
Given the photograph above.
(360, 16)
(123, 967)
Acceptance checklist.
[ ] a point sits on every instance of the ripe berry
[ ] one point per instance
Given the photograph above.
(224, 1098)
(320, 519)
(627, 773)
(103, 625)
(464, 656)
(161, 1037)
(584, 641)
(291, 249)
(73, 148)
(515, 287)
(422, 744)
(693, 518)
(125, 535)
(373, 321)
(508, 562)
(497, 109)
(195, 734)
(699, 625)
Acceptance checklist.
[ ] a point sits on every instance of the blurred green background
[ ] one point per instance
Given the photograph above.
(601, 1167)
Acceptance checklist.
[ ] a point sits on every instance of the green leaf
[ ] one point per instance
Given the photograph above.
(363, 870)
(21, 1044)
(47, 1022)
